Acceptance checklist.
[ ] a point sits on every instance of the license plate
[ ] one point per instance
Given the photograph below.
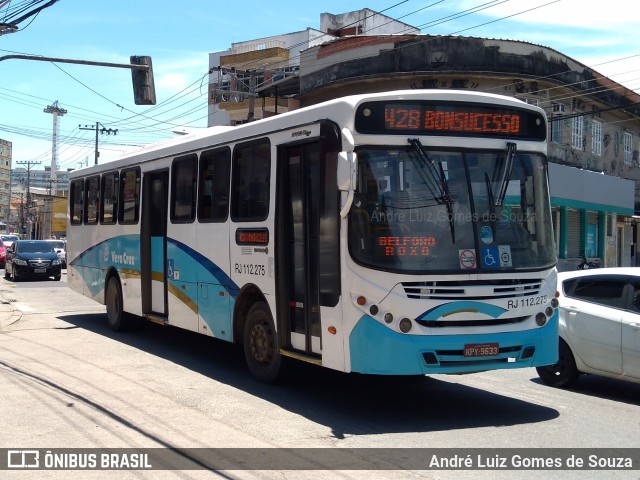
(481, 349)
(39, 270)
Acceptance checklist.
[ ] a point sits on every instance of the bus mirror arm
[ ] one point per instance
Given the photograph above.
(347, 205)
(347, 169)
(346, 176)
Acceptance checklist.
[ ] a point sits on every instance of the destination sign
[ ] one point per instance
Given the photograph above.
(449, 118)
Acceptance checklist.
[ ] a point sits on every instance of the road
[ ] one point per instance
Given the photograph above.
(67, 381)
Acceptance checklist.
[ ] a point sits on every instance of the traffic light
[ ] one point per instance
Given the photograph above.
(144, 90)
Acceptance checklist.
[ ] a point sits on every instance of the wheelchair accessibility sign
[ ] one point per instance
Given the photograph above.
(496, 257)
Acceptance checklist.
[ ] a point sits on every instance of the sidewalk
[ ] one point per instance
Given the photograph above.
(8, 314)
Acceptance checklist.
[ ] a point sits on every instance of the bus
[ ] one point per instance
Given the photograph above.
(394, 233)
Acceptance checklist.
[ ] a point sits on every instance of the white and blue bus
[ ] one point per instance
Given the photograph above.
(399, 233)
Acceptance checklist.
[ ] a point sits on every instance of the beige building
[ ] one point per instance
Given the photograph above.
(594, 123)
(5, 180)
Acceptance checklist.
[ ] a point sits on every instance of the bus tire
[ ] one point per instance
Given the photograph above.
(116, 317)
(261, 350)
(562, 374)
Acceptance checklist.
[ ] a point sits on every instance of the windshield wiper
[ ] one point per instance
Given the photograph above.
(492, 203)
(506, 173)
(436, 180)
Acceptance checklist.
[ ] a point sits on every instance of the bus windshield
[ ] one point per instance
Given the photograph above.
(451, 211)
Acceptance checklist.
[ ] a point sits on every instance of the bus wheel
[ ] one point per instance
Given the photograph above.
(564, 373)
(261, 345)
(115, 315)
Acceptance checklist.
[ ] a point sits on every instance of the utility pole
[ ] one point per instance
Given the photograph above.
(97, 129)
(233, 73)
(23, 228)
(28, 163)
(56, 111)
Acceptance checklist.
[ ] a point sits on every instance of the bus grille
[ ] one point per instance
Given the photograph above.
(472, 290)
(470, 323)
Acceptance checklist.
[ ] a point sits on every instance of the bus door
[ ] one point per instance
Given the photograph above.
(153, 242)
(308, 277)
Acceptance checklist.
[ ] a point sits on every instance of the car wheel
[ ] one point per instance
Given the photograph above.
(564, 373)
(14, 275)
(261, 349)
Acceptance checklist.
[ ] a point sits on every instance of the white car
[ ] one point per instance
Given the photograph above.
(599, 326)
(60, 247)
(9, 239)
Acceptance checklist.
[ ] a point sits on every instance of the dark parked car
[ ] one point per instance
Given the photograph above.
(32, 258)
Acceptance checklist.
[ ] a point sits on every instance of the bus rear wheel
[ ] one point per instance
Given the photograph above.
(117, 318)
(261, 348)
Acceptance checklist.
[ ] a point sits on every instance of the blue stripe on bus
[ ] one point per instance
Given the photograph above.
(377, 349)
(214, 270)
(123, 252)
(451, 308)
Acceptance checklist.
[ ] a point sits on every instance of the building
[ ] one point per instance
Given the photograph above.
(594, 123)
(239, 76)
(5, 180)
(36, 211)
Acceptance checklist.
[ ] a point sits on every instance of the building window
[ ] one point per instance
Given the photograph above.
(627, 146)
(555, 129)
(577, 132)
(596, 137)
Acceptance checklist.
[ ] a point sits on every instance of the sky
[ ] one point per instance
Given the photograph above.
(603, 35)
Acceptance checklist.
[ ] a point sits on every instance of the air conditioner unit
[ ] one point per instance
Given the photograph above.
(557, 108)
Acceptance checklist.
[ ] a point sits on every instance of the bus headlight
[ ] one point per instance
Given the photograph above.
(541, 319)
(405, 325)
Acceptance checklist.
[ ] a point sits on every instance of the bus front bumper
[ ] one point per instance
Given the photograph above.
(376, 349)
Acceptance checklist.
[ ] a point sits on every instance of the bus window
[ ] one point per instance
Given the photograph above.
(77, 189)
(213, 190)
(91, 195)
(183, 189)
(251, 182)
(109, 198)
(129, 207)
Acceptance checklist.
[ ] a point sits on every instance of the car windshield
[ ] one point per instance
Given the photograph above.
(34, 247)
(10, 238)
(451, 211)
(57, 244)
